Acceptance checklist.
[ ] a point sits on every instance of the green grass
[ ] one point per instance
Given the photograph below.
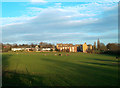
(46, 69)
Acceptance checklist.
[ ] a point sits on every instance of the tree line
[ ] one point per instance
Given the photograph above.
(110, 48)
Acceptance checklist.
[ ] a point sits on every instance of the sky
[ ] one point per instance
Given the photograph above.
(59, 22)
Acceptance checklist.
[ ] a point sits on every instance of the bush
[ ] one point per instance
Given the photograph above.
(51, 50)
(89, 51)
(96, 51)
(57, 49)
(112, 52)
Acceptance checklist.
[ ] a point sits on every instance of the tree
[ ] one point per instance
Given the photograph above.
(103, 47)
(15, 45)
(31, 45)
(57, 49)
(94, 46)
(89, 51)
(51, 49)
(6, 47)
(98, 44)
(112, 46)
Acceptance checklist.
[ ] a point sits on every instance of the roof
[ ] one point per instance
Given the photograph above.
(65, 45)
(89, 45)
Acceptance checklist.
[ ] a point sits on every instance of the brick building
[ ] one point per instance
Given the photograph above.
(66, 47)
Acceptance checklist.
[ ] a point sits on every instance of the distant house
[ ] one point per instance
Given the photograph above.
(20, 49)
(17, 49)
(28, 49)
(46, 47)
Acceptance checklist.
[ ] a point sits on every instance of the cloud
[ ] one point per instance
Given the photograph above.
(15, 20)
(62, 24)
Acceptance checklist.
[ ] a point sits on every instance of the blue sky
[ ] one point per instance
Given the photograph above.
(59, 22)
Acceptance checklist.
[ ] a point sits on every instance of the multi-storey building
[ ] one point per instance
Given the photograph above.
(74, 48)
(66, 47)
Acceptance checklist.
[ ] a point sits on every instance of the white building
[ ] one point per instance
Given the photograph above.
(20, 49)
(46, 49)
(17, 49)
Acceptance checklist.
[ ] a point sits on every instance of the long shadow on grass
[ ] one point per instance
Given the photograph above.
(5, 62)
(105, 60)
(12, 78)
(95, 75)
(76, 66)
(102, 64)
(91, 75)
(17, 79)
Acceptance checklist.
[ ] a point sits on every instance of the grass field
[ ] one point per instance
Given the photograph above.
(46, 69)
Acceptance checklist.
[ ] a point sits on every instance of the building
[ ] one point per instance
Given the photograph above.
(17, 49)
(89, 47)
(46, 47)
(66, 47)
(74, 48)
(61, 47)
(28, 49)
(84, 47)
(21, 49)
